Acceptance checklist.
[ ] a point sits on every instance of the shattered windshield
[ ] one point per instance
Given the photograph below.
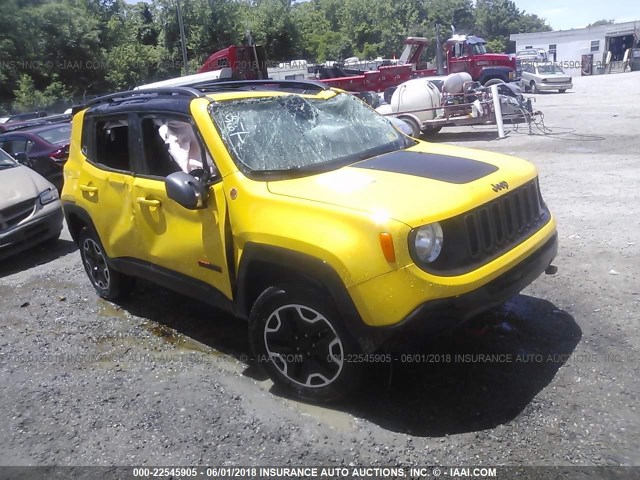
(291, 133)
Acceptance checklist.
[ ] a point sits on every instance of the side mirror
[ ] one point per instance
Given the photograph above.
(186, 190)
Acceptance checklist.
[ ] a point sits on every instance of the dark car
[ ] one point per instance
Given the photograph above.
(21, 117)
(11, 126)
(44, 149)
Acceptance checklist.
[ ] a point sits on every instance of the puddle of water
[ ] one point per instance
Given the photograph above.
(107, 309)
(335, 419)
(179, 340)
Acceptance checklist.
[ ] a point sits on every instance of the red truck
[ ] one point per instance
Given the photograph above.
(463, 54)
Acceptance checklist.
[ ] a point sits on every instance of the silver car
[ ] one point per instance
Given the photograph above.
(30, 209)
(539, 77)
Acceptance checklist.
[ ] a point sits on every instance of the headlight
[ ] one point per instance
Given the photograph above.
(48, 196)
(427, 242)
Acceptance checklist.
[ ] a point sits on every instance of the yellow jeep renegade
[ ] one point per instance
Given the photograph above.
(298, 208)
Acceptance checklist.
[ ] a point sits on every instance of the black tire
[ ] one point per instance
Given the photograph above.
(534, 87)
(563, 90)
(388, 93)
(109, 283)
(415, 127)
(299, 339)
(431, 131)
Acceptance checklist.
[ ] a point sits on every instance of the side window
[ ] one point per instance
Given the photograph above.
(171, 145)
(112, 143)
(15, 146)
(86, 143)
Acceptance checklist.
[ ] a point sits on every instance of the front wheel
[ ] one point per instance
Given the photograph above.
(562, 90)
(302, 344)
(534, 87)
(109, 284)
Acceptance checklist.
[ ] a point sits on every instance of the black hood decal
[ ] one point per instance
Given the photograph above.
(430, 165)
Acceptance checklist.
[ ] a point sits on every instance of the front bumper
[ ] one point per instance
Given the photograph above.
(447, 313)
(384, 305)
(41, 227)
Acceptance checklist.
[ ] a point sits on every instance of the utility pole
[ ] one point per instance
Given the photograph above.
(182, 38)
(439, 59)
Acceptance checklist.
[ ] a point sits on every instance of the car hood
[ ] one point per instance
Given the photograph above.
(18, 184)
(425, 183)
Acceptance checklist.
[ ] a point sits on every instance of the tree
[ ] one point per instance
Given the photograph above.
(601, 22)
(272, 24)
(496, 20)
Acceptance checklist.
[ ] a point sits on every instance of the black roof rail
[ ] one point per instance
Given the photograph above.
(199, 89)
(181, 90)
(209, 86)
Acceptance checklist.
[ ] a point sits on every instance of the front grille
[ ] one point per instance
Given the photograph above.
(484, 233)
(13, 215)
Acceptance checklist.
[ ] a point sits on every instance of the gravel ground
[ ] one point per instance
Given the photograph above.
(161, 380)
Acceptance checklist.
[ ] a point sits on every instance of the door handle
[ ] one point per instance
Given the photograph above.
(148, 202)
(88, 188)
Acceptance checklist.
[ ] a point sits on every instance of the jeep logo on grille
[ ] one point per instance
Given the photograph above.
(500, 186)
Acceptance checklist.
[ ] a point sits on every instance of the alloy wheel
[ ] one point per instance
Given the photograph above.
(96, 264)
(303, 346)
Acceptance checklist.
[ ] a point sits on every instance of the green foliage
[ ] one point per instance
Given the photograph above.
(70, 48)
(496, 45)
(27, 97)
(495, 20)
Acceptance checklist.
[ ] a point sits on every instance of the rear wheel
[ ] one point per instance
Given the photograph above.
(110, 284)
(562, 90)
(431, 130)
(533, 87)
(301, 342)
(413, 123)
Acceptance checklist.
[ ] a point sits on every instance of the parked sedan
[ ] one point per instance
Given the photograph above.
(538, 77)
(44, 149)
(30, 208)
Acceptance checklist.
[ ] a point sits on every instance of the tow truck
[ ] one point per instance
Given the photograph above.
(463, 54)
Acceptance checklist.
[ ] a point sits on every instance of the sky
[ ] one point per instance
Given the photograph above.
(566, 14)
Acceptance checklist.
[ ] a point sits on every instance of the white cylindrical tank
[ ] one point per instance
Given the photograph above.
(454, 82)
(416, 94)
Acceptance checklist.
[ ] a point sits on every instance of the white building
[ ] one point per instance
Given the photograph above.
(575, 48)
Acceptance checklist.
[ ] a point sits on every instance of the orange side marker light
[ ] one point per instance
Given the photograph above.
(386, 244)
